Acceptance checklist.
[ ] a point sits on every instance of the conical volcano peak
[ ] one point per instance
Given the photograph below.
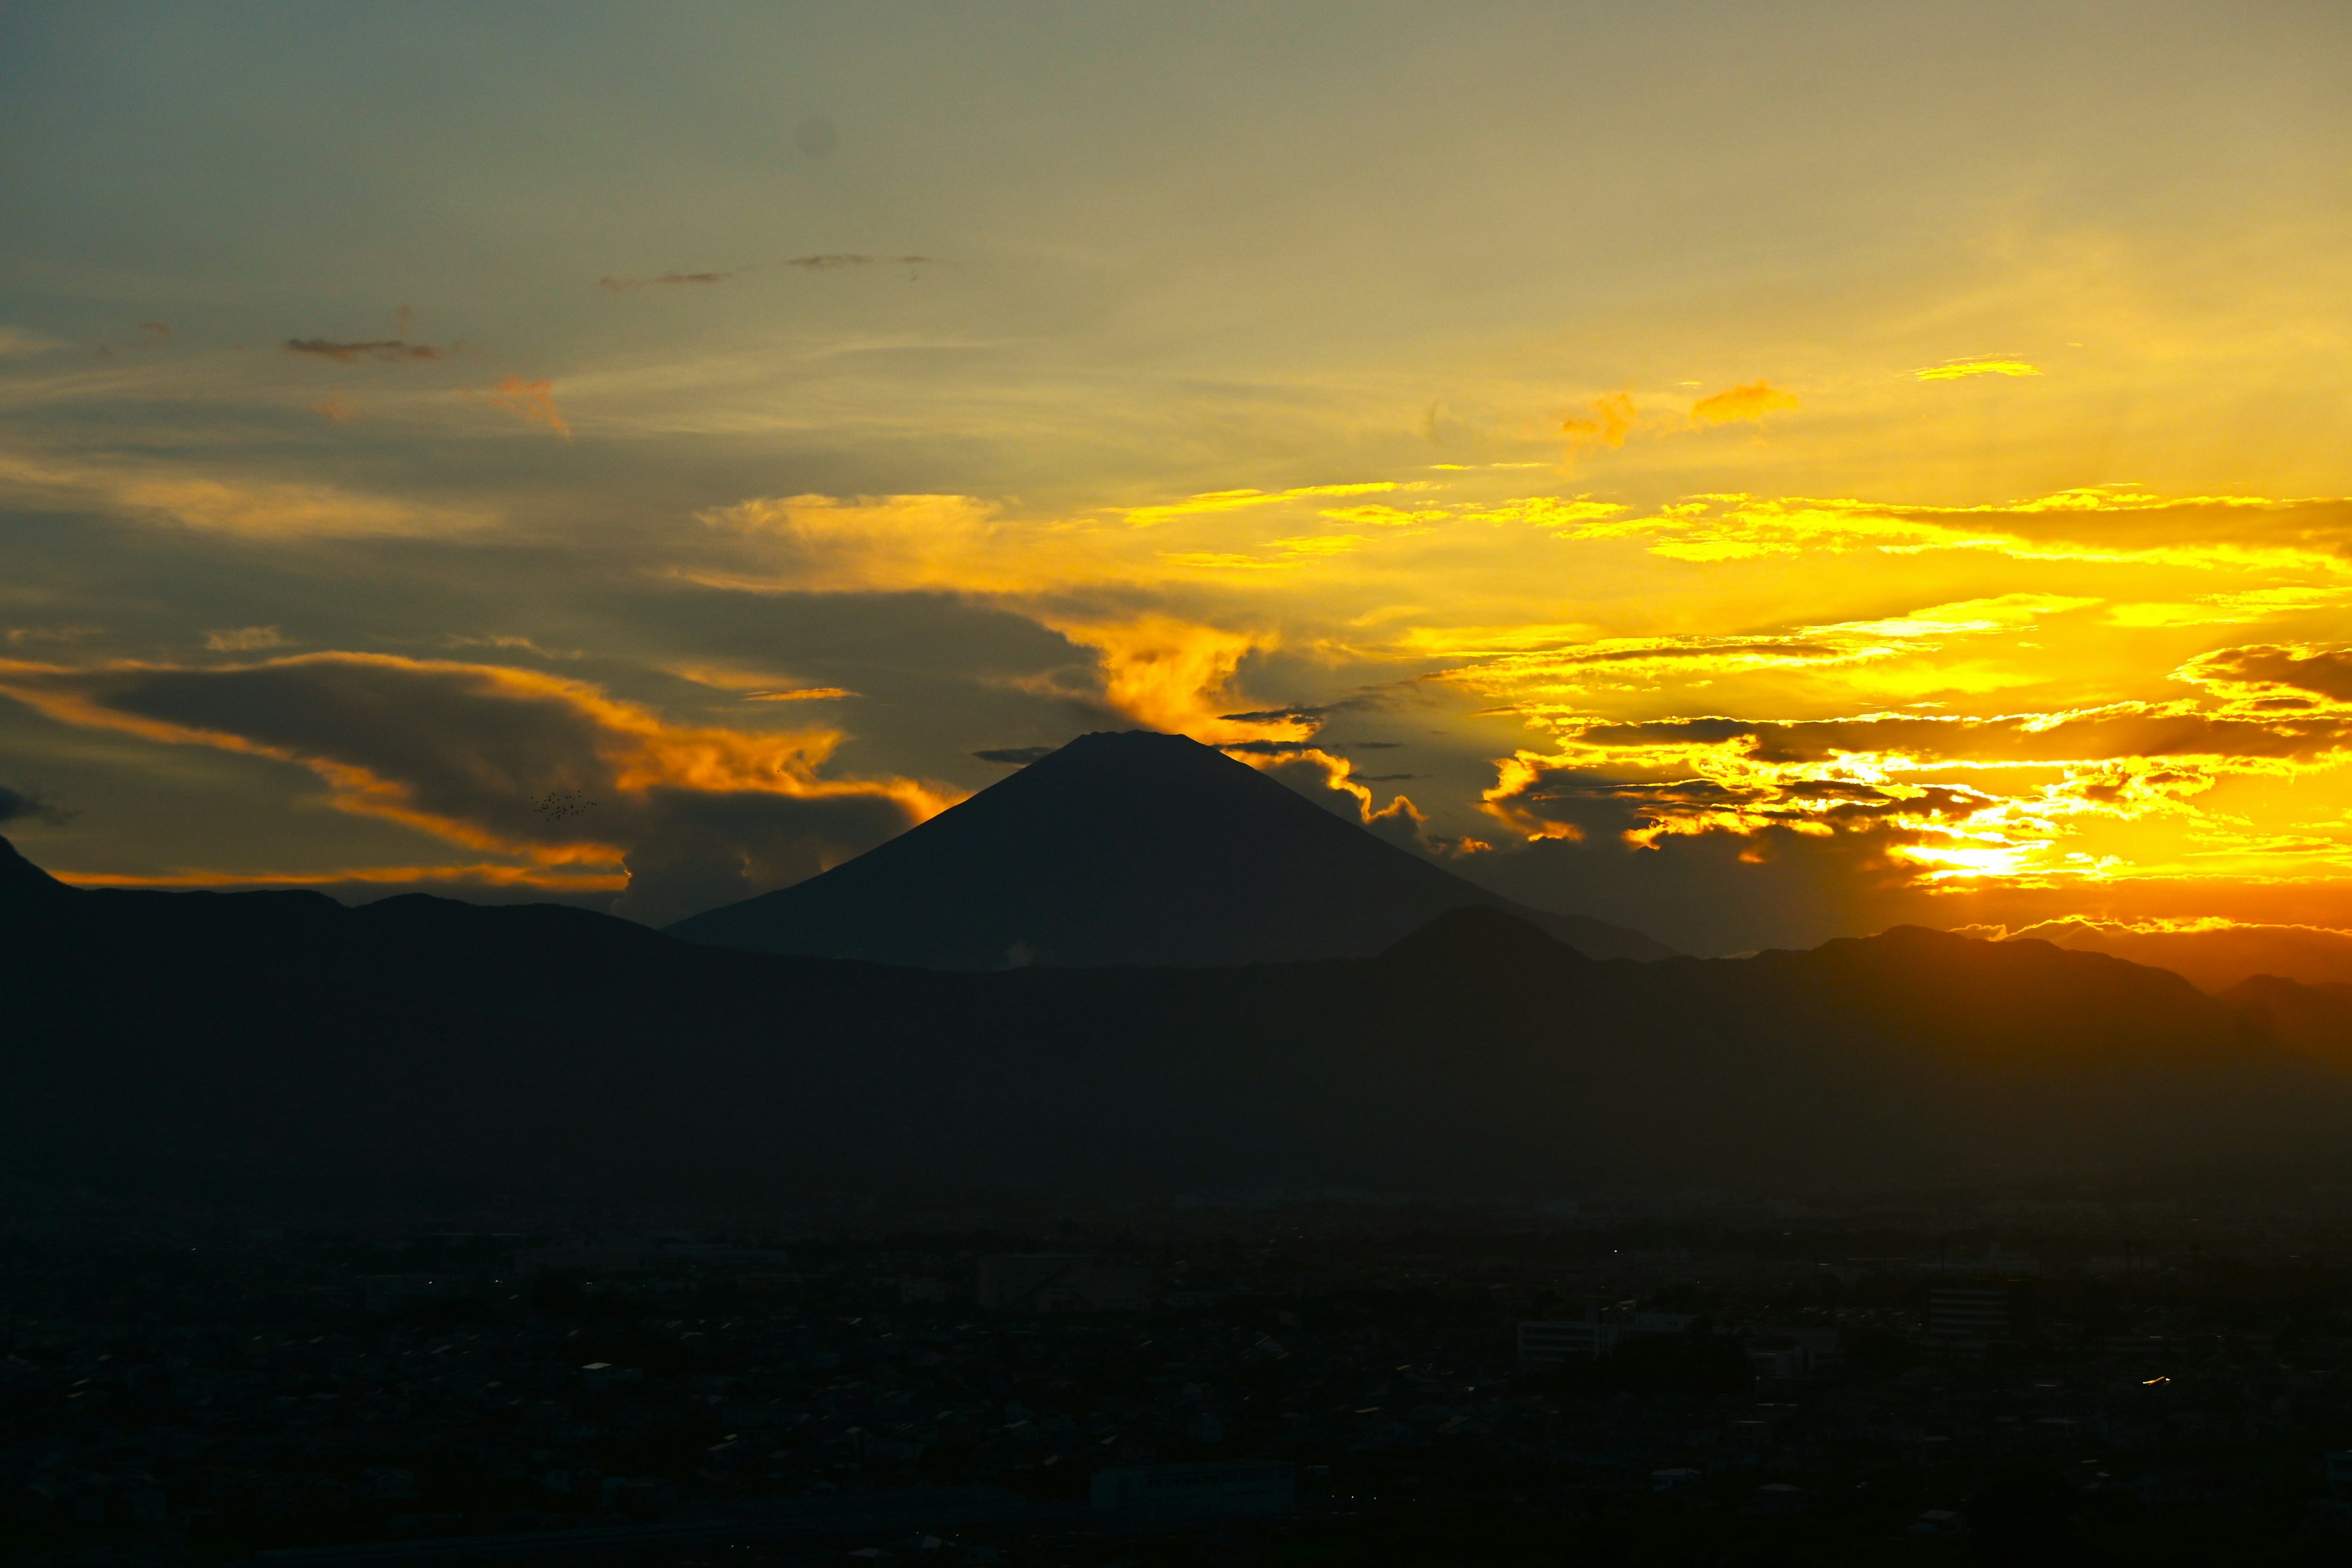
(1140, 751)
(1124, 847)
(1132, 743)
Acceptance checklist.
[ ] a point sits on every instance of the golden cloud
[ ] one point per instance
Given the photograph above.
(1533, 662)
(2283, 679)
(2226, 609)
(1172, 675)
(1953, 798)
(1236, 501)
(903, 543)
(1612, 419)
(2101, 523)
(1956, 370)
(255, 508)
(1751, 400)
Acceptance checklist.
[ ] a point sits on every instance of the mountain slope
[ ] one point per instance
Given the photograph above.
(1124, 848)
(2314, 1019)
(2212, 958)
(186, 1041)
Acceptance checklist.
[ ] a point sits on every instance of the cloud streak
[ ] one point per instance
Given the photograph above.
(841, 261)
(1959, 370)
(386, 350)
(239, 505)
(667, 279)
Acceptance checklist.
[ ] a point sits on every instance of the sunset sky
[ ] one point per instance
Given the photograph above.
(1755, 473)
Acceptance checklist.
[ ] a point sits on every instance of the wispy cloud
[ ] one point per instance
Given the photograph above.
(623, 285)
(2276, 678)
(2126, 523)
(1612, 419)
(801, 694)
(538, 878)
(752, 685)
(832, 263)
(244, 640)
(1236, 501)
(2227, 609)
(390, 350)
(236, 504)
(15, 341)
(1751, 400)
(30, 806)
(533, 402)
(1954, 370)
(510, 640)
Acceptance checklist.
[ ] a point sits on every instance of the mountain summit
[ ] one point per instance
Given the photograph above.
(1136, 848)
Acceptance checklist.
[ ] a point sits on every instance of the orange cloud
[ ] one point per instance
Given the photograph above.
(157, 331)
(531, 401)
(1612, 420)
(1752, 400)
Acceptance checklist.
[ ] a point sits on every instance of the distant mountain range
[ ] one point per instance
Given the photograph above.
(2213, 958)
(1126, 848)
(281, 1044)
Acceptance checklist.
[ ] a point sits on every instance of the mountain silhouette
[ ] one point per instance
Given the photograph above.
(282, 1045)
(1134, 848)
(24, 885)
(2212, 958)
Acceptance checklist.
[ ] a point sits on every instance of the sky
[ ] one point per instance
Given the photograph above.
(1756, 473)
